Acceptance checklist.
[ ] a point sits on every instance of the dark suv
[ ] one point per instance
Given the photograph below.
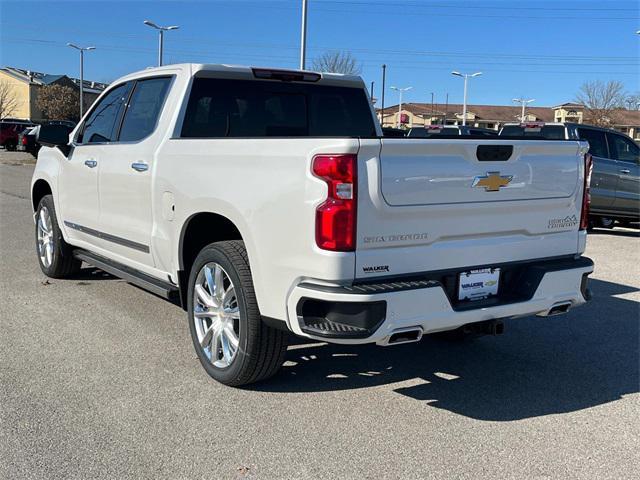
(615, 181)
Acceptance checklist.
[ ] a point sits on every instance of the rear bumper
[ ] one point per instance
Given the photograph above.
(371, 312)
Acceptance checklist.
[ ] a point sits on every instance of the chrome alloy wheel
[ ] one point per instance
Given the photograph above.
(216, 315)
(45, 237)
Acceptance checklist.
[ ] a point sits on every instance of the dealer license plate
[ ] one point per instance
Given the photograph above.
(478, 284)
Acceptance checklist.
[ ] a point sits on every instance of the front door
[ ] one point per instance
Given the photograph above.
(627, 153)
(78, 180)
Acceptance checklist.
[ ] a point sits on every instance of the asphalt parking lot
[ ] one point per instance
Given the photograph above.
(99, 379)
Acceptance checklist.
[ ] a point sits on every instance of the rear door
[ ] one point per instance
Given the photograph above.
(604, 178)
(428, 205)
(627, 154)
(125, 178)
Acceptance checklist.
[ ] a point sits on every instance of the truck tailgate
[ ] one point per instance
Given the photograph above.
(426, 205)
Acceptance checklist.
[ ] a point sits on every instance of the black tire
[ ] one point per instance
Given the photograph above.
(261, 349)
(63, 264)
(10, 146)
(606, 222)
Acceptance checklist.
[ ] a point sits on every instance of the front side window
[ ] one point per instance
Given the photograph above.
(597, 142)
(144, 108)
(623, 149)
(256, 108)
(102, 124)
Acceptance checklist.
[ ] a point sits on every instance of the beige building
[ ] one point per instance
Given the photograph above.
(494, 116)
(25, 85)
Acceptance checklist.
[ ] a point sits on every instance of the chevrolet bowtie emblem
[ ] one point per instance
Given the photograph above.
(492, 181)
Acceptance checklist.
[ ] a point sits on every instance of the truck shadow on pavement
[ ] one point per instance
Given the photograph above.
(540, 366)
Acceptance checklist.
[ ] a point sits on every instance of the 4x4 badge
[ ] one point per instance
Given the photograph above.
(492, 181)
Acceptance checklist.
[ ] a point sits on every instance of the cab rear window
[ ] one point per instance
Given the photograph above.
(550, 132)
(263, 108)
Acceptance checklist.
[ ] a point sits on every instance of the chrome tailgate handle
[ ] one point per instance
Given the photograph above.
(140, 167)
(91, 163)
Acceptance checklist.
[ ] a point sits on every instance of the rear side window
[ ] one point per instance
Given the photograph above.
(623, 149)
(144, 108)
(102, 124)
(244, 108)
(597, 142)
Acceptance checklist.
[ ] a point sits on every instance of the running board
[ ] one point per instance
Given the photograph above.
(131, 275)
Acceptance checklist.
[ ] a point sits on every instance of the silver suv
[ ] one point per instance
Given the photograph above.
(615, 181)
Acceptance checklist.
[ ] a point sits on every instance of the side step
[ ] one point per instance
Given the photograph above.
(131, 275)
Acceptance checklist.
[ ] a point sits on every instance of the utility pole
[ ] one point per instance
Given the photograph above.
(82, 50)
(372, 84)
(432, 110)
(400, 91)
(303, 36)
(466, 77)
(523, 101)
(384, 71)
(161, 31)
(446, 110)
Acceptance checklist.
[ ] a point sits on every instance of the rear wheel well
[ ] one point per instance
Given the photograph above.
(199, 231)
(40, 189)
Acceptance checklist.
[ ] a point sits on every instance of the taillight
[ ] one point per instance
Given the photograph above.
(24, 140)
(586, 194)
(336, 216)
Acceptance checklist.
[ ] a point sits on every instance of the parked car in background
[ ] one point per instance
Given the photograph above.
(9, 131)
(393, 132)
(450, 130)
(615, 181)
(27, 141)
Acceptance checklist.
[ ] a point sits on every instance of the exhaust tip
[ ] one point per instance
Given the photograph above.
(557, 309)
(406, 335)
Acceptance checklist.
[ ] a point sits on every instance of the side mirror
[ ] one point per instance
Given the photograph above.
(51, 135)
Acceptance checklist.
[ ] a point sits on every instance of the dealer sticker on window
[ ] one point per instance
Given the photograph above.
(478, 284)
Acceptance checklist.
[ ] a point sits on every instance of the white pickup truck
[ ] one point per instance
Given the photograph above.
(268, 202)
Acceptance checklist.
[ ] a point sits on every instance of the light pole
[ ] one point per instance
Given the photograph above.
(161, 31)
(303, 36)
(524, 102)
(81, 50)
(400, 91)
(464, 103)
(384, 76)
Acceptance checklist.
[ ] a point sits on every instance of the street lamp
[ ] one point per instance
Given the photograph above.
(400, 91)
(161, 31)
(464, 104)
(81, 50)
(524, 102)
(303, 37)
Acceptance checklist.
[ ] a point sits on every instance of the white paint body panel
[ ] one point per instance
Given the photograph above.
(265, 187)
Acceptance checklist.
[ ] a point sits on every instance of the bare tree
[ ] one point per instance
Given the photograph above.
(337, 62)
(602, 101)
(633, 102)
(59, 102)
(8, 99)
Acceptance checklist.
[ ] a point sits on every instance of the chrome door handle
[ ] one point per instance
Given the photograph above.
(625, 170)
(140, 167)
(90, 163)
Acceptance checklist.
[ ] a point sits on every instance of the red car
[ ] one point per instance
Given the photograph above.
(9, 131)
